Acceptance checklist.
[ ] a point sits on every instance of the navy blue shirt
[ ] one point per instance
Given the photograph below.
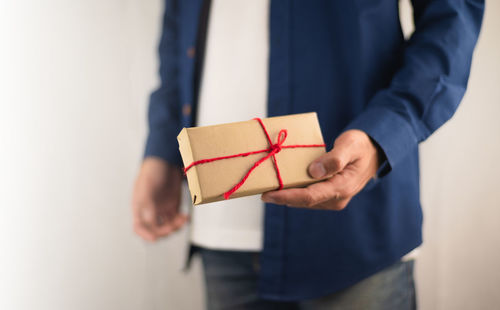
(349, 62)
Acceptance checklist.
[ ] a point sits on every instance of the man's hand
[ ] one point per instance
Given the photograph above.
(351, 163)
(156, 200)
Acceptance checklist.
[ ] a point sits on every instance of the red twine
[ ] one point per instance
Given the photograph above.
(272, 150)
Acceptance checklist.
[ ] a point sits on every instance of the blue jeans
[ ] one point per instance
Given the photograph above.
(232, 277)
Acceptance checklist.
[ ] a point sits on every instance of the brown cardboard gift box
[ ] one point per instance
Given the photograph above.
(209, 181)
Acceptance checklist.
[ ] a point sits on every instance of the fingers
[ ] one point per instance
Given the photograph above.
(156, 200)
(150, 224)
(334, 204)
(304, 198)
(171, 225)
(144, 232)
(333, 193)
(332, 162)
(145, 220)
(151, 231)
(147, 214)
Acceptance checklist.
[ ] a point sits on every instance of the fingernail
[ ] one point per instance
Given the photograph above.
(317, 170)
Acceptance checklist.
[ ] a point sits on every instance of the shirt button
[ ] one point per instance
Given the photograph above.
(186, 109)
(191, 52)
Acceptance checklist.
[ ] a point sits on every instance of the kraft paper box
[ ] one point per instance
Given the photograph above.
(209, 181)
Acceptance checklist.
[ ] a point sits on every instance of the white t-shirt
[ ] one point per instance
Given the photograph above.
(233, 88)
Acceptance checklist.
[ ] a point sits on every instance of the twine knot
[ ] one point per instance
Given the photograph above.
(276, 147)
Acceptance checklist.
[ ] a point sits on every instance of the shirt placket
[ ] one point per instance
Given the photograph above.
(272, 259)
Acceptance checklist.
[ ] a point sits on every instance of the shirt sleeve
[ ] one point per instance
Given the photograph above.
(427, 89)
(164, 117)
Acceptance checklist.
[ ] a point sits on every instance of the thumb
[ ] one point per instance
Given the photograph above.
(147, 215)
(330, 163)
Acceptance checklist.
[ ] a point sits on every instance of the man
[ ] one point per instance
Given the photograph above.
(344, 243)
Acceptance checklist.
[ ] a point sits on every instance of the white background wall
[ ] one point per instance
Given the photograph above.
(74, 81)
